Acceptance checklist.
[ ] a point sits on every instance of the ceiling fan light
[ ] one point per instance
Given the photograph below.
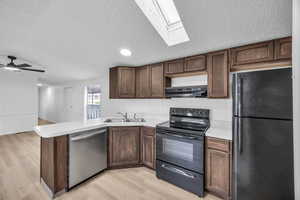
(11, 68)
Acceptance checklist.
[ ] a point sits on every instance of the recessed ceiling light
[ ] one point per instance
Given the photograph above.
(39, 85)
(125, 52)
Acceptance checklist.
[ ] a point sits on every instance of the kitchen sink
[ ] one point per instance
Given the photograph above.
(116, 120)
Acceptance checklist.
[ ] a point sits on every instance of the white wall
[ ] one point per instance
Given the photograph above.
(296, 93)
(18, 102)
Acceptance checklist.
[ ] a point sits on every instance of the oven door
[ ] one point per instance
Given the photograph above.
(181, 150)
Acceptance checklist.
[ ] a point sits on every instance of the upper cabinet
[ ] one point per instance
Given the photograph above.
(143, 87)
(283, 48)
(151, 80)
(195, 63)
(262, 55)
(122, 82)
(158, 81)
(186, 66)
(174, 66)
(250, 54)
(218, 74)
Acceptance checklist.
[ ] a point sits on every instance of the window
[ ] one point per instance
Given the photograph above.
(93, 107)
(165, 18)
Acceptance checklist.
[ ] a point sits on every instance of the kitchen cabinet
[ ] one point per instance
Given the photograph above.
(148, 146)
(53, 164)
(262, 55)
(174, 67)
(158, 81)
(124, 146)
(195, 63)
(218, 74)
(253, 53)
(218, 167)
(143, 81)
(283, 48)
(122, 82)
(150, 81)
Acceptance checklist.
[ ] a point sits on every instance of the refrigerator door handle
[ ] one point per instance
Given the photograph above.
(240, 135)
(239, 92)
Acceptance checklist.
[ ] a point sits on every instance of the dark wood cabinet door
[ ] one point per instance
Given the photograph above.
(283, 48)
(157, 80)
(124, 146)
(195, 63)
(113, 83)
(218, 74)
(218, 173)
(218, 167)
(126, 80)
(174, 67)
(143, 88)
(54, 162)
(148, 147)
(250, 54)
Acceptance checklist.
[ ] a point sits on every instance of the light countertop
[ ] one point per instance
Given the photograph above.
(66, 128)
(220, 130)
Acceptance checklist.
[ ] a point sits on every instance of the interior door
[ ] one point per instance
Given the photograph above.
(263, 94)
(263, 159)
(68, 114)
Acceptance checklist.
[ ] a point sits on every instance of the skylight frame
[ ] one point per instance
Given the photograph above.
(165, 15)
(171, 33)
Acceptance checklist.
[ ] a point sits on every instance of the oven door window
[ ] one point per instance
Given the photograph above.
(186, 153)
(178, 149)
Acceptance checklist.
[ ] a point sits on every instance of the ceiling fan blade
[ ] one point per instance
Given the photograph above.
(34, 70)
(23, 65)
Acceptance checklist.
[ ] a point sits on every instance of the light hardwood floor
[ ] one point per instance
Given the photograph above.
(20, 168)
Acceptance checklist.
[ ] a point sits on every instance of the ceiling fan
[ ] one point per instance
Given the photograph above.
(13, 67)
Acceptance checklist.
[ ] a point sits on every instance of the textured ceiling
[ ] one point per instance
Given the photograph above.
(78, 40)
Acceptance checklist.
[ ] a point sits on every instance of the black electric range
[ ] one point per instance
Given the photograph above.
(180, 148)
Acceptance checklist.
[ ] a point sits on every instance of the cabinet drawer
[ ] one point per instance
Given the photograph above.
(148, 131)
(218, 144)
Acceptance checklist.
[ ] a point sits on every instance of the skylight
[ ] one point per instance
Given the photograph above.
(168, 10)
(165, 18)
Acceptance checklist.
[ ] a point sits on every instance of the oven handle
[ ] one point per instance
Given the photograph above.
(180, 136)
(178, 171)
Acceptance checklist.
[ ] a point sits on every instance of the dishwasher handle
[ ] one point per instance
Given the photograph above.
(86, 136)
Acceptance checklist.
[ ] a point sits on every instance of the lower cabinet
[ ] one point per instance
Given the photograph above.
(124, 146)
(53, 163)
(218, 167)
(148, 146)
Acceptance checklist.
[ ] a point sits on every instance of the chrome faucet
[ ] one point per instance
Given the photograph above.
(125, 116)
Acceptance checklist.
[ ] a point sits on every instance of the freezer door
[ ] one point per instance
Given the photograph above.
(263, 159)
(263, 94)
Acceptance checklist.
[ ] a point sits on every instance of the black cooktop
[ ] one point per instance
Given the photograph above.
(168, 126)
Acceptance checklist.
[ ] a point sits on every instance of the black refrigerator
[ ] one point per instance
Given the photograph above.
(263, 135)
